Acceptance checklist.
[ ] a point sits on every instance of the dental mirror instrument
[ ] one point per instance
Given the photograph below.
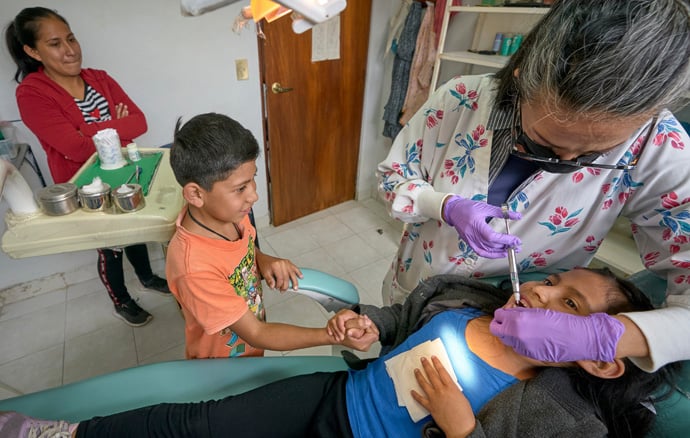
(512, 261)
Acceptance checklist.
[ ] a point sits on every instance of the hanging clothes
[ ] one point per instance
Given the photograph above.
(438, 22)
(422, 67)
(401, 70)
(395, 27)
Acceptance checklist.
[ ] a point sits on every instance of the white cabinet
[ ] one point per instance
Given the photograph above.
(453, 56)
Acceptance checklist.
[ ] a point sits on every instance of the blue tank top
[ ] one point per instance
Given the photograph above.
(371, 401)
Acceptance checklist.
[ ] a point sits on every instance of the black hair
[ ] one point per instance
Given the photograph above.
(623, 403)
(23, 30)
(209, 147)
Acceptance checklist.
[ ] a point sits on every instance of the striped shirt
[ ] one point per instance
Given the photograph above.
(500, 122)
(504, 179)
(94, 107)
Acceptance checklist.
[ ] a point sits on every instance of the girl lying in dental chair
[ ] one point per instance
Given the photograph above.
(449, 316)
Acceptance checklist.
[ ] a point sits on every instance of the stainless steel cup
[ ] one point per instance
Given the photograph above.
(130, 201)
(58, 199)
(96, 201)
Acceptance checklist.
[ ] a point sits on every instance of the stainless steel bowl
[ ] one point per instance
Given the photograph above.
(58, 199)
(96, 201)
(129, 201)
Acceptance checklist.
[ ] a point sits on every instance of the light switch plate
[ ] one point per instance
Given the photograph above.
(241, 69)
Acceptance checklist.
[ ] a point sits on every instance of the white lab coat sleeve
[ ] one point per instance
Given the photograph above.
(431, 204)
(666, 331)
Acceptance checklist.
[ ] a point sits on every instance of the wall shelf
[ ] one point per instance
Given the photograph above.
(501, 10)
(495, 61)
(489, 20)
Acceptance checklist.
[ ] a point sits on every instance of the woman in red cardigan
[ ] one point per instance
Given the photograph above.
(64, 106)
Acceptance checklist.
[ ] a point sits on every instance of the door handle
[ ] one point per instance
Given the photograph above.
(277, 88)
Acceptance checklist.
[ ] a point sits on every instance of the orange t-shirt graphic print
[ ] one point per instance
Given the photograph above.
(246, 282)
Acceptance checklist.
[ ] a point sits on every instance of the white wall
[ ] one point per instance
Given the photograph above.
(174, 66)
(373, 145)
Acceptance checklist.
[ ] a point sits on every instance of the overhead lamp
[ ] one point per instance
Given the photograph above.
(316, 11)
(306, 13)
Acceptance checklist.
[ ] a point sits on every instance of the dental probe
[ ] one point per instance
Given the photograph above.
(512, 261)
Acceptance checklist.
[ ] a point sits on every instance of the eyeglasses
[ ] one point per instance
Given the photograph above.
(550, 161)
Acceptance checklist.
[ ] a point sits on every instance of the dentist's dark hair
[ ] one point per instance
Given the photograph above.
(603, 58)
(209, 147)
(23, 30)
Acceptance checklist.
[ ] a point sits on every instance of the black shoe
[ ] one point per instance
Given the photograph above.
(157, 284)
(132, 314)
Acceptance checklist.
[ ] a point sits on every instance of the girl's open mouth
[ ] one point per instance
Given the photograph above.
(522, 303)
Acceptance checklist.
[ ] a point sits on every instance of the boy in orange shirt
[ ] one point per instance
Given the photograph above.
(213, 266)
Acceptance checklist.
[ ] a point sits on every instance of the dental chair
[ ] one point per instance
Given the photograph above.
(205, 379)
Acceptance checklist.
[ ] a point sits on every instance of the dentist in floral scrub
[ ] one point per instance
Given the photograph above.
(574, 132)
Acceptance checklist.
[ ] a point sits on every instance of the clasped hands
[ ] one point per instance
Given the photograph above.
(352, 330)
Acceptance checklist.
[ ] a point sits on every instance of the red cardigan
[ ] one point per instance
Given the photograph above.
(53, 116)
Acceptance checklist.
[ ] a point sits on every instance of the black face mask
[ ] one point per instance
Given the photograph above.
(535, 152)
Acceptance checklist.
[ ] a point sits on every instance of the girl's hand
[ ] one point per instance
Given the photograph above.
(348, 324)
(448, 405)
(352, 330)
(361, 333)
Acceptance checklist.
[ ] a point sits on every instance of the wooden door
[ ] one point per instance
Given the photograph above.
(312, 132)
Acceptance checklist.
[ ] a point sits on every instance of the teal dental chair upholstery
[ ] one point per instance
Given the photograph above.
(205, 379)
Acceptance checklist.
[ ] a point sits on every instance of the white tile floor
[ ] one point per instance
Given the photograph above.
(60, 329)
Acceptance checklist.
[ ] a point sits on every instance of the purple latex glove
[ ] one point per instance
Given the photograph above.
(469, 220)
(552, 336)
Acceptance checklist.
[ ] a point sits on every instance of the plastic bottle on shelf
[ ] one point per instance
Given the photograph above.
(517, 40)
(497, 42)
(506, 44)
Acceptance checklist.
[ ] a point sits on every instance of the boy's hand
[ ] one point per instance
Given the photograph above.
(448, 405)
(278, 272)
(336, 325)
(352, 330)
(348, 324)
